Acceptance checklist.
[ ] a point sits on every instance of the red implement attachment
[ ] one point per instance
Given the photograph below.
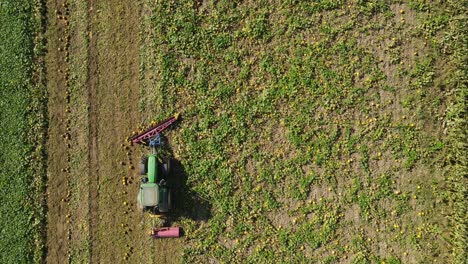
(166, 232)
(153, 131)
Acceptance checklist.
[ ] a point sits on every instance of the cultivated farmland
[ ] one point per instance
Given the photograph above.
(311, 132)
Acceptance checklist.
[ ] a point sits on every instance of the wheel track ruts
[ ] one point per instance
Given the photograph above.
(58, 229)
(93, 117)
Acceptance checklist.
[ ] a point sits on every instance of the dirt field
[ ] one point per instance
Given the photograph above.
(87, 221)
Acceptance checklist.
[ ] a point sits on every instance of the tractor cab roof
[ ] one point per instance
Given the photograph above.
(149, 194)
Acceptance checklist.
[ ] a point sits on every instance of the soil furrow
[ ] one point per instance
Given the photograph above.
(93, 119)
(57, 182)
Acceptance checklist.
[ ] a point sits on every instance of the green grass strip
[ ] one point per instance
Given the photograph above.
(457, 127)
(22, 133)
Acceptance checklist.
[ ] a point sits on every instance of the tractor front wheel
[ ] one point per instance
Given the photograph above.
(166, 167)
(143, 167)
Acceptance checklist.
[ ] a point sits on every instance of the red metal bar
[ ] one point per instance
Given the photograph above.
(153, 131)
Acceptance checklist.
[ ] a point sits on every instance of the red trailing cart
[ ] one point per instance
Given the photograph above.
(166, 232)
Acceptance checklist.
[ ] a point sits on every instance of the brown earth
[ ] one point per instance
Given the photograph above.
(93, 119)
(92, 216)
(57, 236)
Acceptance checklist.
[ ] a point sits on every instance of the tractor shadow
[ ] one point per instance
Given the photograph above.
(186, 202)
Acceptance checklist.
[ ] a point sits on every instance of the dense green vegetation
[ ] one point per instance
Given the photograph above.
(315, 130)
(22, 133)
(457, 126)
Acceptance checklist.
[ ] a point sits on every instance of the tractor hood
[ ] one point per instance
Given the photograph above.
(148, 194)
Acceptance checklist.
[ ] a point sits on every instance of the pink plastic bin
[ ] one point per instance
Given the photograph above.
(166, 232)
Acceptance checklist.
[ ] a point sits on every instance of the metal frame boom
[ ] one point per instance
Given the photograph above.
(153, 131)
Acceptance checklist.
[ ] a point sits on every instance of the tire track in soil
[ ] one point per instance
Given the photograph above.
(109, 102)
(117, 98)
(57, 179)
(112, 99)
(93, 119)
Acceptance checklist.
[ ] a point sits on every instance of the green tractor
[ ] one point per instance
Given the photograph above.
(154, 195)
